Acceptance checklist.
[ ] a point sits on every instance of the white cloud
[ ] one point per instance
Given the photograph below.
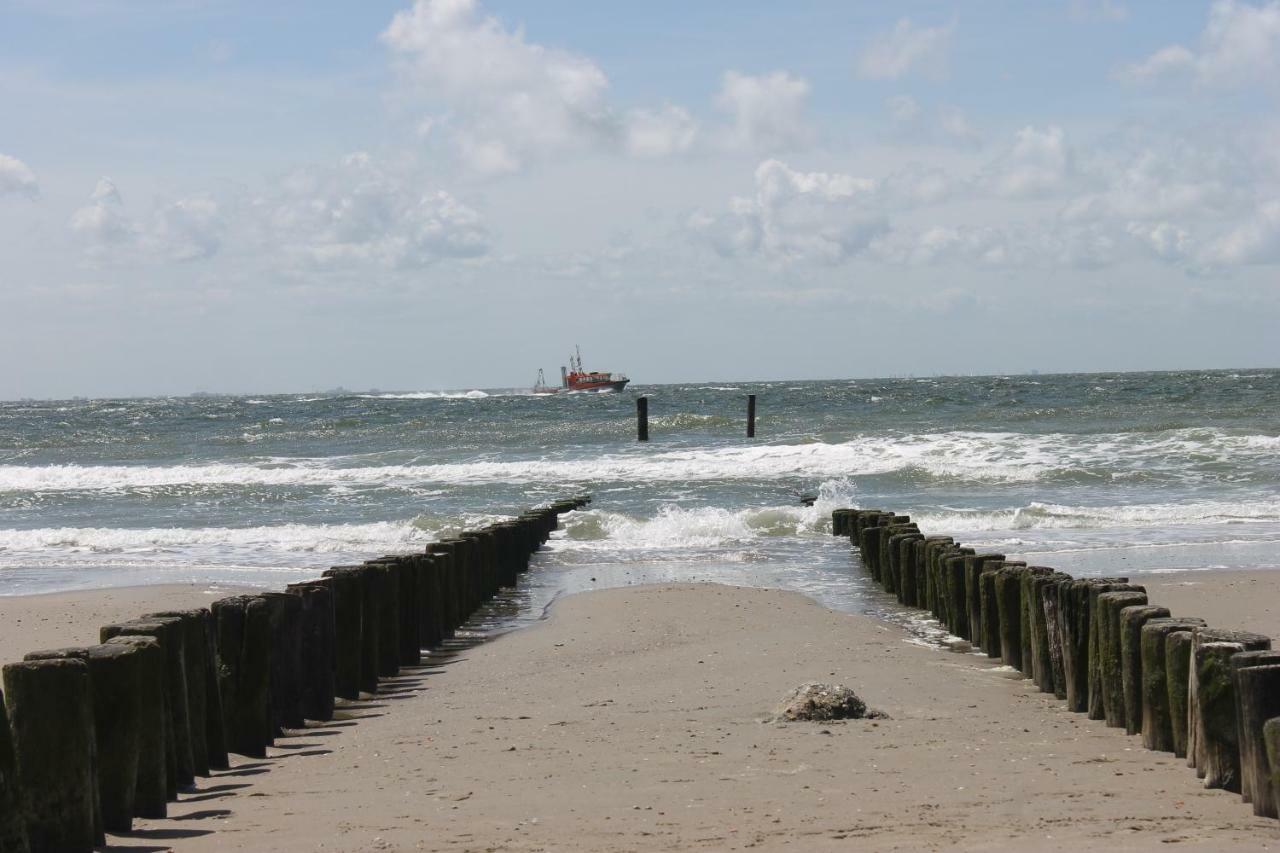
(1039, 163)
(906, 49)
(511, 98)
(187, 229)
(1254, 241)
(815, 217)
(767, 111)
(357, 213)
(16, 178)
(660, 133)
(102, 223)
(1240, 45)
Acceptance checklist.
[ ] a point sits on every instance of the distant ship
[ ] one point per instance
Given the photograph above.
(574, 378)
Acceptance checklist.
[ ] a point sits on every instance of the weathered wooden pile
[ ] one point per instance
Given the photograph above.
(91, 737)
(1207, 694)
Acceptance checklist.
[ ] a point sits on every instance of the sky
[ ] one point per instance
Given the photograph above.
(291, 196)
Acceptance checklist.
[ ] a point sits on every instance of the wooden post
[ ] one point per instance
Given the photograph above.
(13, 801)
(1177, 677)
(1249, 641)
(151, 789)
(1110, 631)
(114, 672)
(51, 716)
(1157, 723)
(751, 416)
(168, 632)
(1256, 679)
(1131, 621)
(1271, 744)
(1217, 741)
(642, 418)
(1094, 656)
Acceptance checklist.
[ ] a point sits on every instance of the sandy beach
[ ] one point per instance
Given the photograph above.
(634, 719)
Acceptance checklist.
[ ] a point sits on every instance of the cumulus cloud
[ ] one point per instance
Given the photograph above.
(1038, 163)
(904, 50)
(102, 223)
(1254, 241)
(357, 213)
(510, 98)
(660, 133)
(16, 178)
(766, 111)
(1240, 45)
(796, 216)
(187, 229)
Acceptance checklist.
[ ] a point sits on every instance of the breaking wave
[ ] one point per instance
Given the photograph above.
(1181, 456)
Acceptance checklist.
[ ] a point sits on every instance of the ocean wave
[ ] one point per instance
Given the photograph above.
(1186, 456)
(1047, 516)
(294, 538)
(430, 395)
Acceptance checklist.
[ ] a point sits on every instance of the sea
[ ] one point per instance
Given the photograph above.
(1088, 473)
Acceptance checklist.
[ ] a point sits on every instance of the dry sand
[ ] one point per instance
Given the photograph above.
(632, 720)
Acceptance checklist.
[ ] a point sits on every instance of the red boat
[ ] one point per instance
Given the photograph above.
(574, 378)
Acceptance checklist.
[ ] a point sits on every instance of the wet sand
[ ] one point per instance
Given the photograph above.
(633, 719)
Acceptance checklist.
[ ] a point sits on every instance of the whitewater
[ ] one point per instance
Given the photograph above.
(1090, 473)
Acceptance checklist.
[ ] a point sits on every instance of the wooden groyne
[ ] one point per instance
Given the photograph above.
(1209, 694)
(92, 737)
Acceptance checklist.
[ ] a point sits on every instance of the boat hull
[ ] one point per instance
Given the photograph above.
(611, 385)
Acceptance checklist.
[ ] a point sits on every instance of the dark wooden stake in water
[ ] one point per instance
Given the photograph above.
(642, 418)
(751, 416)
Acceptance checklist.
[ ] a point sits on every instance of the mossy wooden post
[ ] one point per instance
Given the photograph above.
(1095, 709)
(957, 607)
(114, 683)
(1271, 745)
(889, 551)
(973, 566)
(316, 622)
(1157, 722)
(1111, 666)
(194, 647)
(348, 610)
(1035, 634)
(1050, 595)
(1217, 741)
(13, 805)
(989, 617)
(50, 710)
(1197, 756)
(1073, 615)
(1009, 604)
(1131, 621)
(1177, 676)
(839, 518)
(1256, 680)
(286, 661)
(151, 790)
(906, 571)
